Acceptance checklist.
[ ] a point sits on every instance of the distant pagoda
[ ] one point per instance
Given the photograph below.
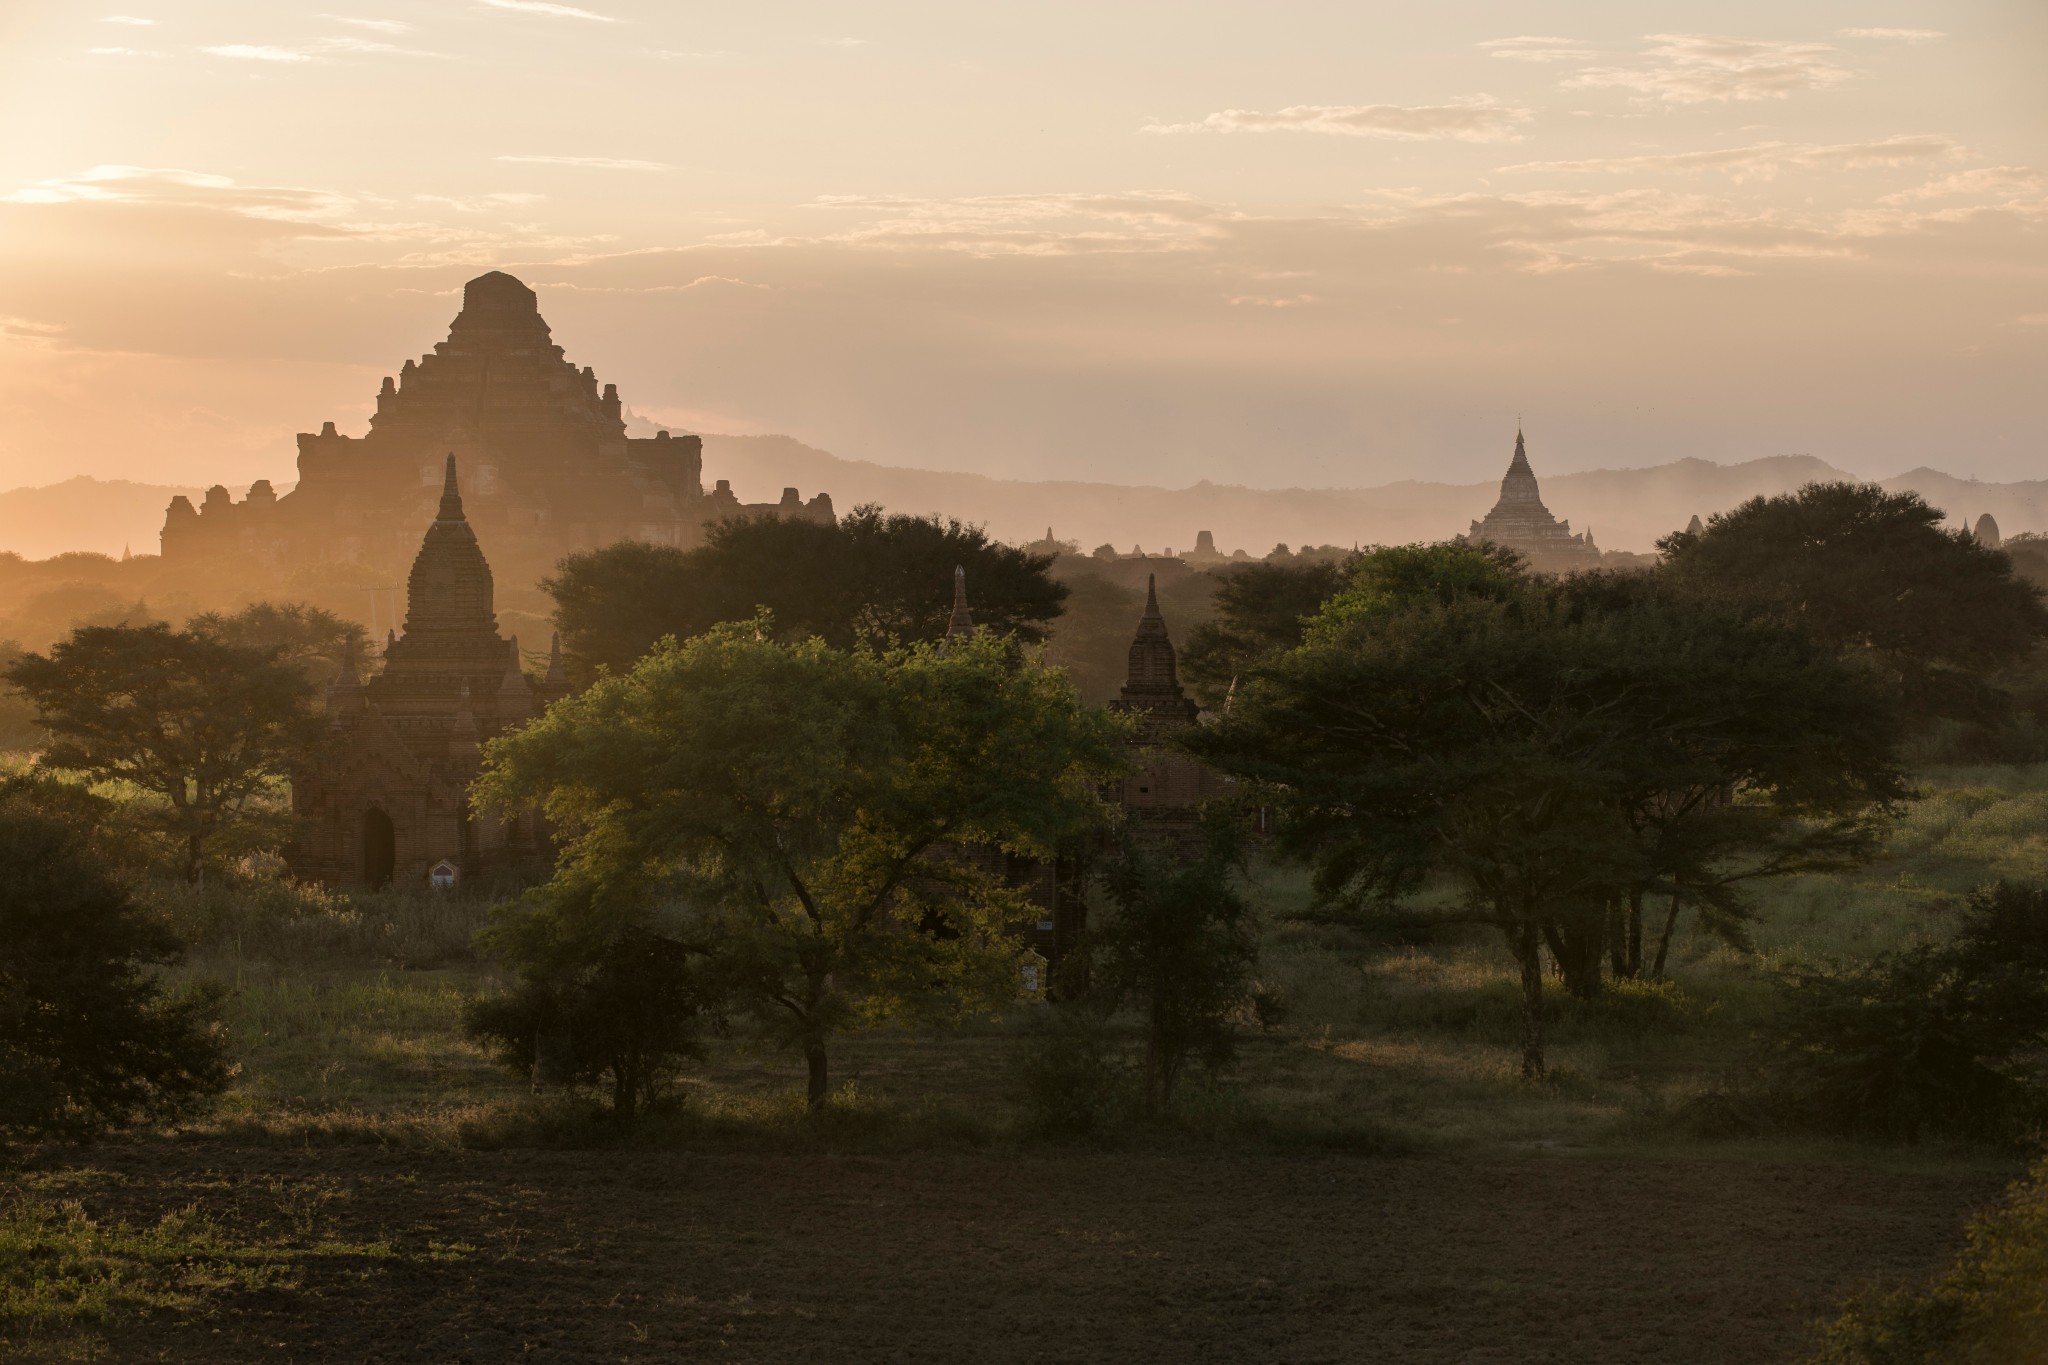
(1520, 522)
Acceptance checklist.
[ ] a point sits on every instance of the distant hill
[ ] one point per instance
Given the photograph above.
(1626, 509)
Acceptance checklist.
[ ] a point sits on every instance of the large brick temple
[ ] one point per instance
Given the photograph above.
(547, 462)
(386, 799)
(1520, 522)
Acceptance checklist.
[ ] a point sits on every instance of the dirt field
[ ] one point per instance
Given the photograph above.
(649, 1256)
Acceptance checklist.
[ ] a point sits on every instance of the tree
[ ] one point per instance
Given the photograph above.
(306, 637)
(1450, 721)
(202, 725)
(1260, 611)
(874, 578)
(1873, 573)
(810, 815)
(90, 1039)
(1180, 944)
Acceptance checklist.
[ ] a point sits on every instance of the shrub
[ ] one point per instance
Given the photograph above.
(1989, 1308)
(627, 1017)
(1075, 1082)
(89, 1038)
(1931, 1040)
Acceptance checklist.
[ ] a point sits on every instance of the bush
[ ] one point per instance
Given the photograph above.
(1989, 1308)
(1075, 1082)
(89, 1038)
(1932, 1040)
(625, 1018)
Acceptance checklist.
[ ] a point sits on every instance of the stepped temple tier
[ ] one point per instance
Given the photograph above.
(544, 449)
(385, 801)
(1520, 522)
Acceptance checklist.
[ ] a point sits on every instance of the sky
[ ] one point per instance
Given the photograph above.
(1279, 244)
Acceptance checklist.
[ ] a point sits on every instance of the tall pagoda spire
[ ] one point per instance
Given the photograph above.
(962, 623)
(450, 589)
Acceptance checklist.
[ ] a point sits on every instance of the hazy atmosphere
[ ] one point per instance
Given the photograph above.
(1318, 245)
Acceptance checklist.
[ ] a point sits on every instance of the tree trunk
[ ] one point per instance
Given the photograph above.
(1614, 928)
(814, 1054)
(1529, 949)
(195, 858)
(1664, 939)
(1635, 931)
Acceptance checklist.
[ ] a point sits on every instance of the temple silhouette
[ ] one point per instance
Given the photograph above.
(545, 454)
(1520, 522)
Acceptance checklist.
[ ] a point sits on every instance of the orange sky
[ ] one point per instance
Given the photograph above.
(1275, 244)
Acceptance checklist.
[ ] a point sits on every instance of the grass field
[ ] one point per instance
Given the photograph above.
(1372, 1181)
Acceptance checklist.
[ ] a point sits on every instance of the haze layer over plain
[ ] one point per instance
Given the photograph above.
(1279, 246)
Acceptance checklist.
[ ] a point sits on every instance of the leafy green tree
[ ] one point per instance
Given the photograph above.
(1874, 573)
(1180, 945)
(306, 637)
(623, 1011)
(1451, 722)
(874, 578)
(90, 1040)
(204, 726)
(807, 813)
(1261, 609)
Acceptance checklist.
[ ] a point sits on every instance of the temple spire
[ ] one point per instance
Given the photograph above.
(451, 496)
(962, 624)
(556, 674)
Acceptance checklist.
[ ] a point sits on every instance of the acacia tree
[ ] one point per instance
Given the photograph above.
(309, 638)
(874, 578)
(1261, 609)
(1452, 721)
(202, 725)
(802, 811)
(1873, 573)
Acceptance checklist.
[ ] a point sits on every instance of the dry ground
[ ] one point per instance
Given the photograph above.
(1046, 1256)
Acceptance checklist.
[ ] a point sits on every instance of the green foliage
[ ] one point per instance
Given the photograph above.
(1931, 1040)
(1872, 572)
(812, 815)
(874, 578)
(308, 638)
(90, 1040)
(1529, 747)
(1989, 1308)
(1072, 1072)
(1261, 610)
(628, 1016)
(1180, 944)
(201, 725)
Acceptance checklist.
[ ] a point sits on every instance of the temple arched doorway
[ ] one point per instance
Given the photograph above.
(380, 848)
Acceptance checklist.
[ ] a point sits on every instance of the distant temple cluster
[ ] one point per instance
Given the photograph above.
(548, 464)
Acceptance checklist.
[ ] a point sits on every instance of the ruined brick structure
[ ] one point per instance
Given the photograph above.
(1520, 522)
(549, 466)
(386, 799)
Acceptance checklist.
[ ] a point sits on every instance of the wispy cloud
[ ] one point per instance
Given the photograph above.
(379, 25)
(125, 52)
(553, 11)
(1533, 49)
(1479, 119)
(601, 163)
(1762, 160)
(844, 42)
(1695, 68)
(129, 19)
(480, 203)
(256, 52)
(1031, 224)
(114, 184)
(1897, 35)
(1982, 180)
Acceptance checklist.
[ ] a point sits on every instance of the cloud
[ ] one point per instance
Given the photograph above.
(181, 188)
(380, 25)
(1529, 49)
(600, 163)
(1979, 180)
(125, 52)
(1897, 35)
(551, 10)
(1478, 119)
(1695, 68)
(480, 203)
(253, 52)
(1762, 160)
(844, 42)
(1029, 224)
(1266, 301)
(2031, 320)
(129, 19)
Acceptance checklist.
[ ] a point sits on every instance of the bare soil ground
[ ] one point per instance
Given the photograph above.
(624, 1255)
